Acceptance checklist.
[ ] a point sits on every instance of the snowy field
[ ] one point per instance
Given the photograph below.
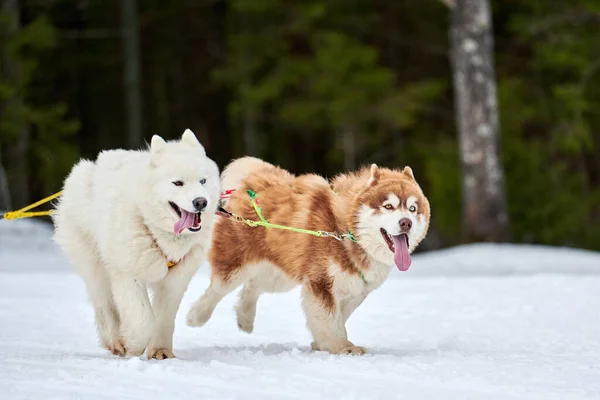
(474, 322)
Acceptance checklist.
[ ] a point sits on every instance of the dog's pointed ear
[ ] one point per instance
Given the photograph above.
(408, 172)
(374, 175)
(190, 138)
(157, 144)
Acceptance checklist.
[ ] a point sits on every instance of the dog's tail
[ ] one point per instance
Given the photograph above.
(239, 170)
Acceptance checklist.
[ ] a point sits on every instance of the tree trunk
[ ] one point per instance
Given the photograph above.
(17, 156)
(485, 214)
(131, 76)
(4, 192)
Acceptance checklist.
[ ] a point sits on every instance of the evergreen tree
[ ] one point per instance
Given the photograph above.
(29, 133)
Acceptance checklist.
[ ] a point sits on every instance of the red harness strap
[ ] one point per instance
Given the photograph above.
(227, 194)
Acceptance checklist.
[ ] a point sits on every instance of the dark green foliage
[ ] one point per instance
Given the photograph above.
(52, 155)
(295, 76)
(550, 115)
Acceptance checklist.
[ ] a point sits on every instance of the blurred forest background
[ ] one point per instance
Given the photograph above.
(324, 86)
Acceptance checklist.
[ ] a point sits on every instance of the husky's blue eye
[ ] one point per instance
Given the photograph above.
(178, 183)
(412, 209)
(202, 181)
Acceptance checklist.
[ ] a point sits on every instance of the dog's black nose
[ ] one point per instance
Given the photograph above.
(405, 225)
(200, 203)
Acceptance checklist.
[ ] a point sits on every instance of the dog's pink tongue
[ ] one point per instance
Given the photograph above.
(186, 221)
(401, 255)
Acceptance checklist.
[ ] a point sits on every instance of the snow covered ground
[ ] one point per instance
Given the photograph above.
(473, 322)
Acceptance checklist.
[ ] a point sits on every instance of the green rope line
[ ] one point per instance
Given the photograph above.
(362, 276)
(264, 223)
(350, 236)
(267, 224)
(257, 209)
(309, 232)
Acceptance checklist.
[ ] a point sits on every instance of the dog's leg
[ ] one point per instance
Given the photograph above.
(107, 317)
(202, 309)
(350, 305)
(325, 320)
(166, 296)
(83, 254)
(246, 306)
(135, 312)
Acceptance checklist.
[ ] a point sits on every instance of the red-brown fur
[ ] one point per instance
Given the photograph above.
(307, 202)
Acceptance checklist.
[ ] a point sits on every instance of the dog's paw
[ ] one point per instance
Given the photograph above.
(246, 314)
(343, 347)
(353, 351)
(198, 315)
(247, 327)
(116, 347)
(134, 352)
(160, 354)
(131, 348)
(245, 322)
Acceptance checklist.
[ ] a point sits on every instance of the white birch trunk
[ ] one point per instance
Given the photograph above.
(485, 214)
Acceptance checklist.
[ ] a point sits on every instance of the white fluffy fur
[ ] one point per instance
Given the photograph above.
(115, 225)
(369, 223)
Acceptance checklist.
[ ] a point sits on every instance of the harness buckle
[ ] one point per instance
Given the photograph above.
(334, 235)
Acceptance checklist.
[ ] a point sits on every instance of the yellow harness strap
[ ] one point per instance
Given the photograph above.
(22, 213)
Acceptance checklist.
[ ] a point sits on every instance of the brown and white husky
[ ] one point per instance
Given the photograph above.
(384, 209)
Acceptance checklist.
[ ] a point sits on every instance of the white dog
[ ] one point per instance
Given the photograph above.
(138, 220)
